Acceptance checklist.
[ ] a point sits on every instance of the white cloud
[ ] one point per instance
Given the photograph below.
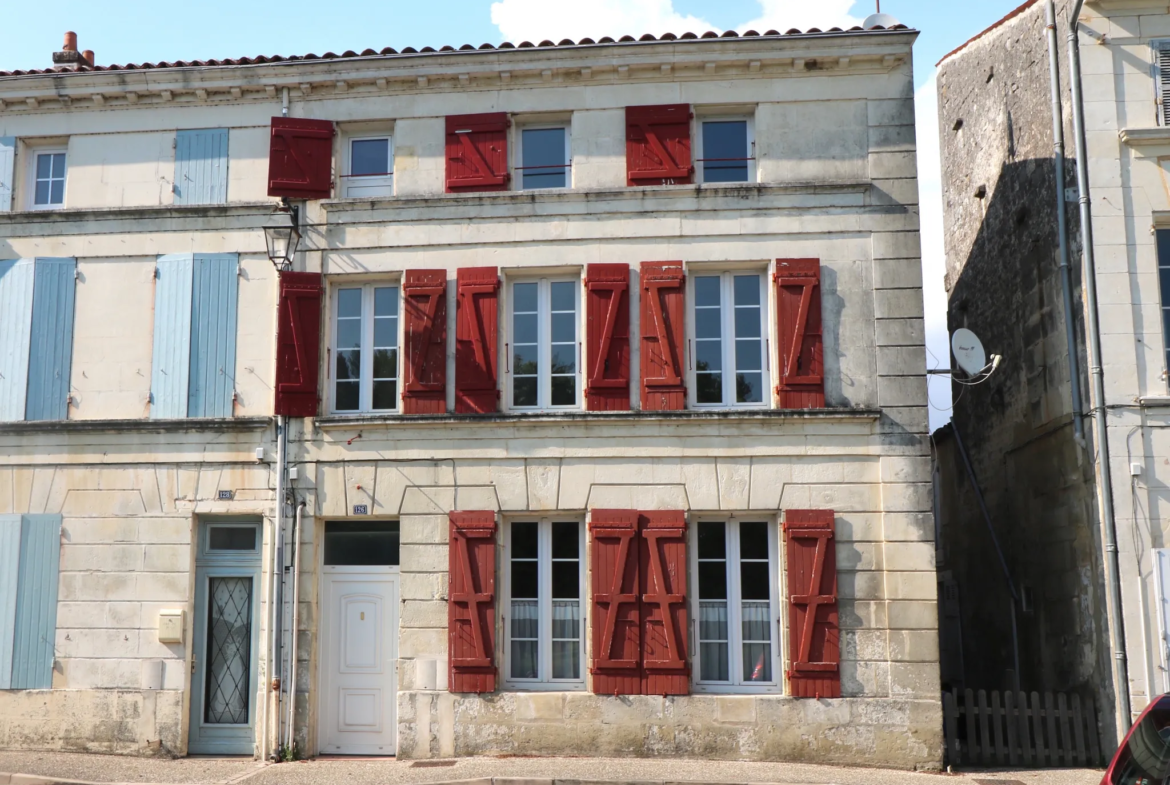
(533, 20)
(934, 260)
(784, 15)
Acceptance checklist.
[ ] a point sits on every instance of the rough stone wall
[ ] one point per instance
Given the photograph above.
(1003, 283)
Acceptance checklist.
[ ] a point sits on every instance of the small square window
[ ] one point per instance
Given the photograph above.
(544, 158)
(727, 151)
(365, 346)
(370, 171)
(47, 181)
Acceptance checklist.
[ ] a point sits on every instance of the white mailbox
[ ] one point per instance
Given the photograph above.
(170, 626)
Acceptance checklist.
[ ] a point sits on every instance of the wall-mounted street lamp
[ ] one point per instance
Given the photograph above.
(283, 240)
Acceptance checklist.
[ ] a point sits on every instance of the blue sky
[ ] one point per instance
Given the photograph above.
(149, 30)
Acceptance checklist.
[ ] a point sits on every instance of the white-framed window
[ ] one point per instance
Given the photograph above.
(366, 338)
(729, 339)
(544, 622)
(735, 564)
(544, 157)
(369, 170)
(544, 344)
(46, 181)
(726, 150)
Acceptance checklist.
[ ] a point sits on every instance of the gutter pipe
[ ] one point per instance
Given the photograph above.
(274, 592)
(1114, 620)
(296, 604)
(1070, 332)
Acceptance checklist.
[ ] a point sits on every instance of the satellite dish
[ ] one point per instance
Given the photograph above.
(880, 20)
(968, 351)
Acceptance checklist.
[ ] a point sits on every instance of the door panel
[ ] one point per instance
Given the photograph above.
(359, 662)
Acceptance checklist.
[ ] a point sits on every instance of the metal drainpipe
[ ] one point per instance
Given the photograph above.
(274, 590)
(296, 599)
(1070, 332)
(1114, 620)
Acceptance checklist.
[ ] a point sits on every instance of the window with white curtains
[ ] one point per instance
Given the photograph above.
(737, 581)
(544, 609)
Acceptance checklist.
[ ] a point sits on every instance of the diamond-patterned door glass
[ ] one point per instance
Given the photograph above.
(229, 642)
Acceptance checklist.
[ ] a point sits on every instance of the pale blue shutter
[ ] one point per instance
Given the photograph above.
(201, 166)
(215, 286)
(171, 363)
(9, 570)
(51, 346)
(7, 168)
(16, 296)
(36, 603)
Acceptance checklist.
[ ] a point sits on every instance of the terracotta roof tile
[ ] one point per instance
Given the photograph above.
(564, 43)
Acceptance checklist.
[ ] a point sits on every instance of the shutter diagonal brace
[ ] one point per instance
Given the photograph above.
(472, 599)
(467, 292)
(614, 599)
(655, 284)
(792, 365)
(670, 168)
(477, 161)
(597, 378)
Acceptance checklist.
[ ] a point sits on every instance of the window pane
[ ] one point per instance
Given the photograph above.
(757, 642)
(524, 633)
(349, 302)
(524, 298)
(566, 659)
(44, 166)
(524, 360)
(231, 538)
(707, 291)
(747, 322)
(708, 356)
(747, 290)
(370, 156)
(348, 364)
(545, 178)
(385, 395)
(708, 323)
(42, 192)
(524, 539)
(524, 391)
(712, 540)
(566, 633)
(524, 328)
(349, 333)
(713, 580)
(564, 296)
(757, 662)
(564, 328)
(57, 192)
(748, 355)
(754, 580)
(385, 363)
(564, 391)
(59, 166)
(524, 579)
(566, 580)
(525, 619)
(361, 544)
(386, 301)
(566, 540)
(709, 388)
(753, 540)
(348, 396)
(386, 332)
(544, 158)
(749, 388)
(564, 358)
(713, 643)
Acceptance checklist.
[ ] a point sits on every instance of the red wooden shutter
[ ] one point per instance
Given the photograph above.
(477, 152)
(617, 648)
(424, 295)
(798, 315)
(658, 145)
(300, 158)
(607, 307)
(814, 637)
(298, 344)
(476, 335)
(471, 609)
(663, 302)
(663, 572)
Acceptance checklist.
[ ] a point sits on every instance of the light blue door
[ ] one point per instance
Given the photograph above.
(224, 681)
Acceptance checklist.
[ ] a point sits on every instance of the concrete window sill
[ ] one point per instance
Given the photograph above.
(509, 418)
(191, 424)
(1140, 137)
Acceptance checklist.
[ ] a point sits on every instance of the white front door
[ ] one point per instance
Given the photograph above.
(359, 644)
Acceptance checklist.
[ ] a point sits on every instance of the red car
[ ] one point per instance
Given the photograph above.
(1144, 756)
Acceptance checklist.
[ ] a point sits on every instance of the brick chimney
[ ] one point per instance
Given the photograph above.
(69, 57)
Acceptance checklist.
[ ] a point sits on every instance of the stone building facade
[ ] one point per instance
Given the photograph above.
(164, 489)
(1003, 282)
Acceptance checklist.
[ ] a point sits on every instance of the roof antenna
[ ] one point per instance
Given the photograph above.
(879, 6)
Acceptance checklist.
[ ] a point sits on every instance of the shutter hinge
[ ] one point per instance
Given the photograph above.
(239, 269)
(150, 397)
(174, 142)
(76, 274)
(157, 272)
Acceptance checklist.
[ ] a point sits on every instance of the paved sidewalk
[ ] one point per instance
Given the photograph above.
(227, 771)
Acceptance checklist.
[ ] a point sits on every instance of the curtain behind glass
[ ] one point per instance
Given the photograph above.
(757, 642)
(566, 635)
(525, 631)
(713, 650)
